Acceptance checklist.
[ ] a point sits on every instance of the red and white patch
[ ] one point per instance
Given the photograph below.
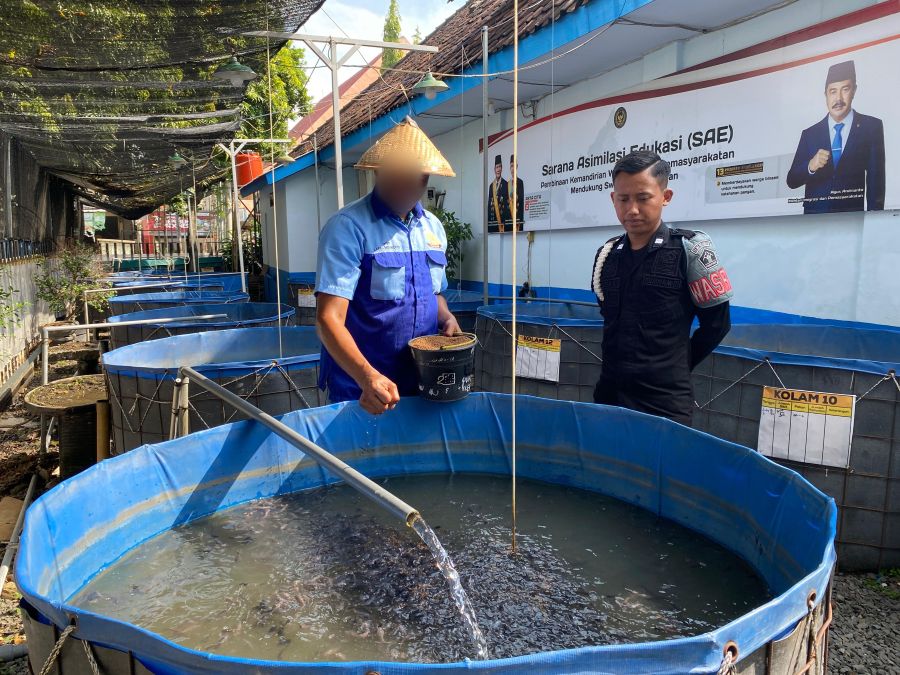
(706, 290)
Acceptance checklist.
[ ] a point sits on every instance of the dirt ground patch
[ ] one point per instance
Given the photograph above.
(19, 460)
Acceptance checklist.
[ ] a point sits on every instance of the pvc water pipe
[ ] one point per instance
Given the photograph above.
(351, 476)
(12, 652)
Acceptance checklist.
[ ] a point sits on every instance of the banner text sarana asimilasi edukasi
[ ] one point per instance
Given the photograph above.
(734, 143)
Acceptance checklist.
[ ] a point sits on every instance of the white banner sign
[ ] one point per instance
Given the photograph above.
(756, 143)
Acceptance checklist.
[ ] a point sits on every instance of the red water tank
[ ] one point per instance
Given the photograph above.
(249, 167)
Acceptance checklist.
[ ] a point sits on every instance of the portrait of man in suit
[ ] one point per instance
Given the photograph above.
(498, 199)
(519, 194)
(840, 159)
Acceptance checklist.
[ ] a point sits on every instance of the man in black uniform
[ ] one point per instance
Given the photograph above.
(651, 282)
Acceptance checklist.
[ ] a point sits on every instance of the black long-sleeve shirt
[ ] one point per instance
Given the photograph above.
(715, 322)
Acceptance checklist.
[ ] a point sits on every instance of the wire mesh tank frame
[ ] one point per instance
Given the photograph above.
(236, 315)
(841, 360)
(579, 330)
(141, 379)
(145, 301)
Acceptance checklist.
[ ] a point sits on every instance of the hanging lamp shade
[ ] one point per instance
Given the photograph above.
(284, 158)
(177, 161)
(406, 147)
(430, 86)
(234, 72)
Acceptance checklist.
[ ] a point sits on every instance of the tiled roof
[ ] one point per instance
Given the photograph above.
(459, 34)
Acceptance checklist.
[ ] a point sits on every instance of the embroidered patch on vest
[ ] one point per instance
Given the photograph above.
(665, 262)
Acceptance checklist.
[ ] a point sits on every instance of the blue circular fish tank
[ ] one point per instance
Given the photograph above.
(766, 514)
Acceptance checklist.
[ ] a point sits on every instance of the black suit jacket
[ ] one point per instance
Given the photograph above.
(858, 181)
(502, 201)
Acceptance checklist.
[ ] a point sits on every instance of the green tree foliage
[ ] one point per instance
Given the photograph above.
(289, 97)
(391, 34)
(62, 286)
(417, 37)
(10, 308)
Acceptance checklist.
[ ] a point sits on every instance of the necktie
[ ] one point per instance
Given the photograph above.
(837, 143)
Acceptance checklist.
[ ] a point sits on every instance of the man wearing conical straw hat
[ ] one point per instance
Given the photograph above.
(380, 275)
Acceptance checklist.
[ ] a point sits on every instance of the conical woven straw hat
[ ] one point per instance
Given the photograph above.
(406, 147)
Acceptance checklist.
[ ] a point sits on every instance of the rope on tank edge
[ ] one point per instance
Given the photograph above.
(891, 375)
(57, 648)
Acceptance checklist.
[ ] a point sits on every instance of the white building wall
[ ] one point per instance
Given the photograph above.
(841, 266)
(299, 216)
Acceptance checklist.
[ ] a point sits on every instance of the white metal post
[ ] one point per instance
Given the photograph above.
(316, 159)
(336, 113)
(334, 63)
(234, 211)
(485, 166)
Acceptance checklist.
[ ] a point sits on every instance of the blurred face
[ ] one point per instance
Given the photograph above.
(400, 189)
(839, 98)
(512, 170)
(639, 200)
(498, 170)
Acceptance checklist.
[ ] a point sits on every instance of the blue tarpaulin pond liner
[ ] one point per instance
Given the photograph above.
(464, 305)
(770, 516)
(230, 281)
(811, 354)
(301, 287)
(237, 315)
(835, 359)
(141, 301)
(161, 285)
(578, 328)
(275, 369)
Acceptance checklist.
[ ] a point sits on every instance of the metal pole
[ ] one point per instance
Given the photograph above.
(8, 195)
(87, 318)
(316, 158)
(45, 354)
(484, 168)
(184, 423)
(174, 426)
(237, 225)
(351, 476)
(336, 107)
(102, 408)
(137, 322)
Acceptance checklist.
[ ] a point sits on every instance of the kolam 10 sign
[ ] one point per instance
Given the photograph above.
(811, 427)
(749, 138)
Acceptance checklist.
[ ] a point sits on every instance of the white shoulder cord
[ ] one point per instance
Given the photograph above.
(598, 268)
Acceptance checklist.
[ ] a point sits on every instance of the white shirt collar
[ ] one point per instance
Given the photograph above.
(848, 122)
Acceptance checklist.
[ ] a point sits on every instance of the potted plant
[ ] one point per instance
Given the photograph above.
(62, 285)
(457, 233)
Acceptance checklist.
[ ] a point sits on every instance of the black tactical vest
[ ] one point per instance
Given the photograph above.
(647, 314)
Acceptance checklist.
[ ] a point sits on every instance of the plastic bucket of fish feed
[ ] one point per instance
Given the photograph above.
(444, 365)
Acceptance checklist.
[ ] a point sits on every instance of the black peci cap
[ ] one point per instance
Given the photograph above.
(839, 72)
(498, 160)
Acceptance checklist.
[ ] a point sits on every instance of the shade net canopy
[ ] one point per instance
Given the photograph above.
(103, 93)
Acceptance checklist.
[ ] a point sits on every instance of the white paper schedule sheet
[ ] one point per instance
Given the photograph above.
(806, 426)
